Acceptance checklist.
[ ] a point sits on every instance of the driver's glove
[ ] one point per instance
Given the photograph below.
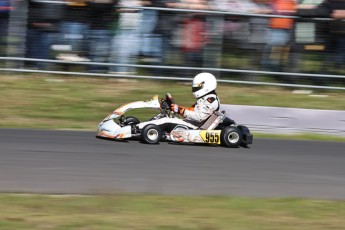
(177, 109)
(164, 104)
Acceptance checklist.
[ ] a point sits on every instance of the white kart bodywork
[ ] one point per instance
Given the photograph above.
(110, 129)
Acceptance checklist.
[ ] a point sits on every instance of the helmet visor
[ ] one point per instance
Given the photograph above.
(198, 87)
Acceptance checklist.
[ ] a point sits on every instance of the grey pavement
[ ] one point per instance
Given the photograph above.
(75, 162)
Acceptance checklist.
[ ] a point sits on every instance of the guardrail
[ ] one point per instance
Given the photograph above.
(173, 78)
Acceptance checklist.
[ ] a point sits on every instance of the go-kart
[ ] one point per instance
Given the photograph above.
(217, 129)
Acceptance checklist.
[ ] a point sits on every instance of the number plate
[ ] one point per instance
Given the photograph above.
(212, 137)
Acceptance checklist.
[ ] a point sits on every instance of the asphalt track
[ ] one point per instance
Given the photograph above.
(75, 162)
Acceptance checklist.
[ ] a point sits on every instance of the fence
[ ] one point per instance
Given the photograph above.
(233, 48)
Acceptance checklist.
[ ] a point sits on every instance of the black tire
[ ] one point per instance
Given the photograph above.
(231, 137)
(130, 120)
(151, 134)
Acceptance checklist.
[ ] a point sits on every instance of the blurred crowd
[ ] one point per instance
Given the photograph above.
(123, 33)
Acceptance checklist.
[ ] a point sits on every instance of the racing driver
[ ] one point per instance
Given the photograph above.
(204, 90)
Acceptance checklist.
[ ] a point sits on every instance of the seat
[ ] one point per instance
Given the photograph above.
(212, 121)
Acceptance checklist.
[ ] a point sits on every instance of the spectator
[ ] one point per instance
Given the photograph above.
(233, 5)
(280, 33)
(74, 30)
(336, 43)
(193, 39)
(258, 32)
(125, 44)
(165, 28)
(193, 33)
(102, 17)
(242, 35)
(150, 48)
(43, 30)
(258, 25)
(5, 7)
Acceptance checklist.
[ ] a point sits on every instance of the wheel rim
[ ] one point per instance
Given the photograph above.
(152, 134)
(233, 137)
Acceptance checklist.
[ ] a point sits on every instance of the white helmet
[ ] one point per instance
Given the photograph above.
(203, 83)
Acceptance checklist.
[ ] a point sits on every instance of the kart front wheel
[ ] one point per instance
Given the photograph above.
(151, 134)
(231, 137)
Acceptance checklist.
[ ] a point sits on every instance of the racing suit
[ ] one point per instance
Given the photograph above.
(201, 110)
(194, 115)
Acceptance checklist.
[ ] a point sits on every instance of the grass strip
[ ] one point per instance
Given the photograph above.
(158, 212)
(64, 102)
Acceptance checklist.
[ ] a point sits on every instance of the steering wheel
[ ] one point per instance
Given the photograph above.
(166, 103)
(169, 99)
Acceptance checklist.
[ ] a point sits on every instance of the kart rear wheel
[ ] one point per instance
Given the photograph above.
(151, 134)
(231, 137)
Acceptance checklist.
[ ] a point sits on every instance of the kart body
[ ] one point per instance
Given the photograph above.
(166, 126)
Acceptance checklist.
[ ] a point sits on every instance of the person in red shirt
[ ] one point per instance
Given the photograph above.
(279, 36)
